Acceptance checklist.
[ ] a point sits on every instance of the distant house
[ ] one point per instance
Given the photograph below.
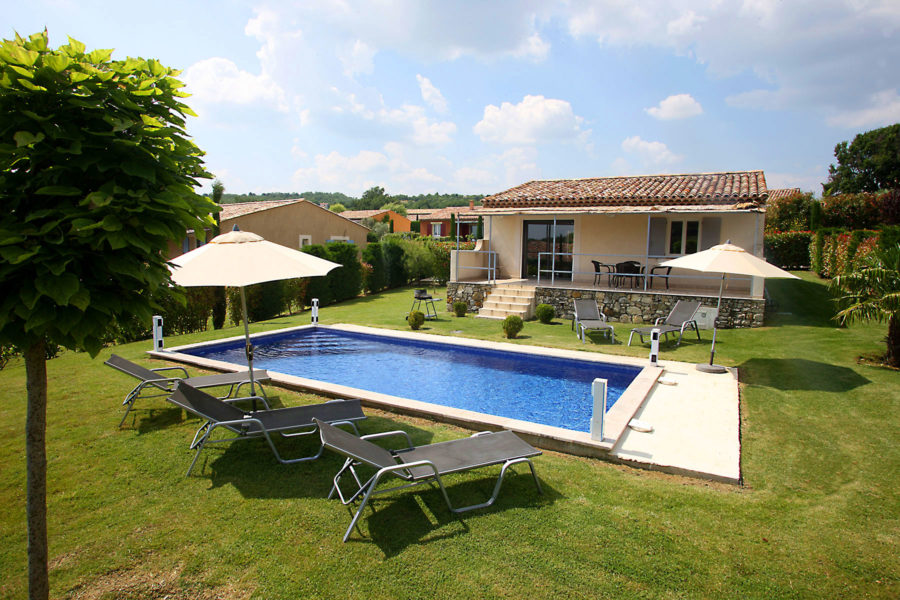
(437, 222)
(400, 222)
(417, 214)
(291, 223)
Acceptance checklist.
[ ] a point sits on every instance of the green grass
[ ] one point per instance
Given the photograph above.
(818, 516)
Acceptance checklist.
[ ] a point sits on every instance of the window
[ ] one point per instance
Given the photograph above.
(436, 229)
(305, 240)
(684, 237)
(339, 238)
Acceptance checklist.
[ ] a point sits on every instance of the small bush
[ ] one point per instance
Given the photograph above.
(7, 353)
(512, 325)
(545, 313)
(459, 308)
(264, 301)
(788, 249)
(415, 319)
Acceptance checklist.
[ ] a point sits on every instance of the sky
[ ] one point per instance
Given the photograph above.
(475, 97)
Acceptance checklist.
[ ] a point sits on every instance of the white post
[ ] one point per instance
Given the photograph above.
(158, 341)
(598, 391)
(315, 311)
(654, 347)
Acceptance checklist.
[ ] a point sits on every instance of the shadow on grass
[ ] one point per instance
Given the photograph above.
(800, 302)
(155, 419)
(800, 374)
(420, 516)
(249, 465)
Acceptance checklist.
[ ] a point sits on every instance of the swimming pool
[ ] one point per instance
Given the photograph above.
(540, 389)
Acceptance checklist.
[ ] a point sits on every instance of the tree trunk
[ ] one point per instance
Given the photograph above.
(36, 459)
(893, 341)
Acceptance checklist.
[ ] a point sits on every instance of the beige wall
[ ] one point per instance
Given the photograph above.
(285, 224)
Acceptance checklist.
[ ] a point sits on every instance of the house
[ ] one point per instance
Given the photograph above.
(605, 237)
(399, 222)
(437, 222)
(782, 193)
(291, 223)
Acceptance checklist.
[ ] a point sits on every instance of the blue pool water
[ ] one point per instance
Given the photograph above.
(546, 390)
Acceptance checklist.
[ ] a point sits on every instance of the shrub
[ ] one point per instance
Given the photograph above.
(545, 313)
(889, 237)
(392, 253)
(187, 315)
(219, 308)
(852, 211)
(418, 261)
(319, 287)
(789, 214)
(788, 249)
(7, 353)
(415, 319)
(512, 325)
(346, 280)
(264, 301)
(376, 276)
(459, 308)
(295, 294)
(889, 208)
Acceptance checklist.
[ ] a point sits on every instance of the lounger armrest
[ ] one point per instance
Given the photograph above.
(384, 434)
(480, 433)
(659, 320)
(160, 369)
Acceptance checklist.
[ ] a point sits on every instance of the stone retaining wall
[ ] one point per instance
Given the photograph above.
(644, 308)
(473, 294)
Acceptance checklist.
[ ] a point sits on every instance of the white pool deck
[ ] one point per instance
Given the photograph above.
(694, 415)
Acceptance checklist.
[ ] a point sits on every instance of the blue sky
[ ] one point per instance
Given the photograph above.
(475, 97)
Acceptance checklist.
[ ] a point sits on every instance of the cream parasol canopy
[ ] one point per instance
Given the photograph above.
(240, 258)
(726, 259)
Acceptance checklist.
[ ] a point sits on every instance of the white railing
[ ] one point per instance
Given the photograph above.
(491, 267)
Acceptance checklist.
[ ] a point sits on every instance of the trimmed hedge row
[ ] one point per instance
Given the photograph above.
(788, 249)
(802, 212)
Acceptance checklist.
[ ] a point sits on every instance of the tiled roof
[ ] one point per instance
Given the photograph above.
(443, 214)
(230, 211)
(656, 190)
(783, 193)
(361, 214)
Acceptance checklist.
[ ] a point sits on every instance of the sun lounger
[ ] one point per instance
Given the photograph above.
(423, 464)
(153, 382)
(680, 318)
(588, 317)
(288, 422)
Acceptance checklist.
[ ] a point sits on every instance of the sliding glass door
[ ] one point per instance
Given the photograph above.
(538, 239)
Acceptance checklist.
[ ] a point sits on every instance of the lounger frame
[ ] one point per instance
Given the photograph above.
(368, 489)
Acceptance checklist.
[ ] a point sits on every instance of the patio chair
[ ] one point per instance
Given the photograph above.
(154, 384)
(600, 270)
(287, 422)
(587, 316)
(680, 318)
(422, 464)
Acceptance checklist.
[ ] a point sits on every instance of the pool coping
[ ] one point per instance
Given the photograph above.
(543, 436)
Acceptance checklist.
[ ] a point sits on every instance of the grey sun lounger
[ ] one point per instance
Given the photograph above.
(153, 382)
(680, 318)
(588, 317)
(288, 422)
(423, 464)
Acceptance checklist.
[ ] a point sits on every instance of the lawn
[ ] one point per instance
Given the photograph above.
(818, 516)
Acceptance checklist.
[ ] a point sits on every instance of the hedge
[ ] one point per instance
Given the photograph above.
(837, 251)
(788, 249)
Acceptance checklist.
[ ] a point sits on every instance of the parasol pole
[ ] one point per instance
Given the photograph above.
(713, 368)
(248, 348)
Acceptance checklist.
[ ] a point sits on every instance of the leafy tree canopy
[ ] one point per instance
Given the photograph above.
(869, 163)
(372, 199)
(97, 175)
(337, 208)
(396, 207)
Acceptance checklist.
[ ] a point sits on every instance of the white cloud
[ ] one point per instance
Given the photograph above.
(357, 173)
(679, 106)
(357, 57)
(534, 120)
(883, 109)
(830, 56)
(654, 154)
(218, 80)
(431, 95)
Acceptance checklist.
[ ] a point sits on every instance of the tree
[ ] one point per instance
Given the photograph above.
(871, 162)
(872, 293)
(337, 208)
(372, 199)
(220, 300)
(397, 207)
(97, 175)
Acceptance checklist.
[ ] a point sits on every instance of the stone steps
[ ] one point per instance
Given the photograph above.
(506, 300)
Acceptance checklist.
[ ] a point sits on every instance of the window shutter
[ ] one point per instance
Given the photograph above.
(710, 232)
(656, 242)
